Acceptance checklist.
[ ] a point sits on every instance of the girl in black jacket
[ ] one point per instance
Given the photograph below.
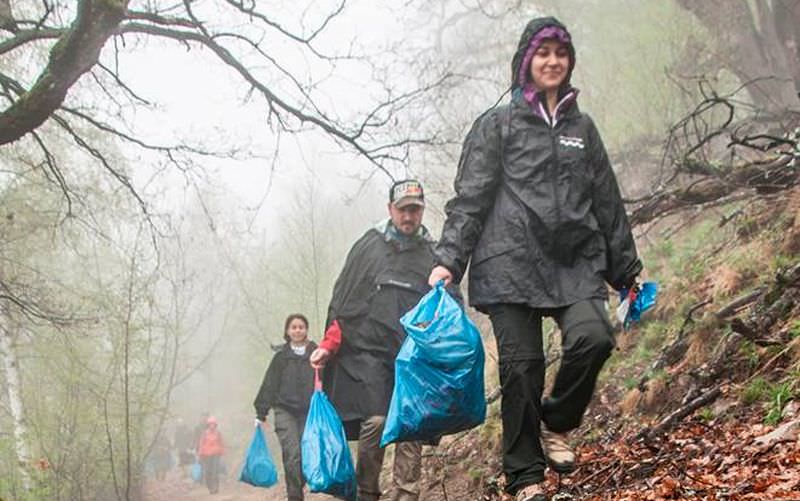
(287, 388)
(539, 218)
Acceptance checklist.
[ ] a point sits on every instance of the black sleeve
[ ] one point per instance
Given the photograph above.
(623, 260)
(479, 173)
(268, 393)
(352, 289)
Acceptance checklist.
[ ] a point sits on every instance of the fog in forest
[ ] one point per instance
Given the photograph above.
(190, 191)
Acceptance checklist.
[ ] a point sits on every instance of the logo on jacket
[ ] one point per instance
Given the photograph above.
(571, 142)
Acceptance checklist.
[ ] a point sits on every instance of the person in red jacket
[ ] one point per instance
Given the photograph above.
(210, 450)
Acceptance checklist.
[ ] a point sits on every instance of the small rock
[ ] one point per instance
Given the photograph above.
(786, 432)
(791, 409)
(722, 406)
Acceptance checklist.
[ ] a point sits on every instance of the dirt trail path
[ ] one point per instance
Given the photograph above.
(175, 488)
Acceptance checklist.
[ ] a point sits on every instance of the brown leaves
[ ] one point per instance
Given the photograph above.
(695, 461)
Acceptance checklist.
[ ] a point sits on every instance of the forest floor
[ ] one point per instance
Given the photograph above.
(735, 457)
(724, 452)
(176, 487)
(700, 402)
(732, 457)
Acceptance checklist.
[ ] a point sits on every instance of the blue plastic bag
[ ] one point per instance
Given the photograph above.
(438, 387)
(633, 303)
(197, 472)
(259, 469)
(327, 465)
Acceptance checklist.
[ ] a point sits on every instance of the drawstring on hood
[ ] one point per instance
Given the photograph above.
(522, 86)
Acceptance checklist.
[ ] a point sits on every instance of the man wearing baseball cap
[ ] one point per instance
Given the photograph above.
(384, 276)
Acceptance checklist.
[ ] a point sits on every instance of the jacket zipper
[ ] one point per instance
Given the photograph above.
(554, 178)
(553, 123)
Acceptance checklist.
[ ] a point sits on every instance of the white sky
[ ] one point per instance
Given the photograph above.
(201, 101)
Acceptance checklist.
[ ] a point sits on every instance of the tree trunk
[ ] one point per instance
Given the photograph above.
(73, 55)
(14, 388)
(757, 44)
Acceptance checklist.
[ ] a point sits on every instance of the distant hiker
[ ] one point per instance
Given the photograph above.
(184, 445)
(161, 456)
(287, 388)
(199, 429)
(383, 277)
(210, 450)
(538, 215)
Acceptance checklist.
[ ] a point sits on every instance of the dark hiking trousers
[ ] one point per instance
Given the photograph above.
(289, 428)
(210, 466)
(587, 342)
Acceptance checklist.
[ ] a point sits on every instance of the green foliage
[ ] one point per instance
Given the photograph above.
(653, 333)
(773, 395)
(660, 375)
(684, 257)
(747, 226)
(630, 382)
(705, 414)
(754, 392)
(663, 249)
(94, 277)
(11, 485)
(750, 353)
(779, 394)
(794, 329)
(782, 261)
(746, 261)
(475, 475)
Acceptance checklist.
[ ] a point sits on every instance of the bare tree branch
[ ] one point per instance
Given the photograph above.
(76, 51)
(704, 163)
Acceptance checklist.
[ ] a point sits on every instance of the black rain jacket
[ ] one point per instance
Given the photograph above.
(537, 211)
(288, 382)
(382, 279)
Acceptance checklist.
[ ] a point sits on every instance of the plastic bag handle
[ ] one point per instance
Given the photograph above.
(317, 381)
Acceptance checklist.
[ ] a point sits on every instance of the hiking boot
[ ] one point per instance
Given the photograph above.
(533, 492)
(559, 454)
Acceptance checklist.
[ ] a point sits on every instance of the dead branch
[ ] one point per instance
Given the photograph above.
(702, 161)
(739, 303)
(673, 418)
(714, 189)
(773, 305)
(676, 349)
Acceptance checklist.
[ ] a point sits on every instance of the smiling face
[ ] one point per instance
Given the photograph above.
(549, 65)
(297, 331)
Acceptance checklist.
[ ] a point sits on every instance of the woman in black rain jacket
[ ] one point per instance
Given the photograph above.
(287, 388)
(538, 216)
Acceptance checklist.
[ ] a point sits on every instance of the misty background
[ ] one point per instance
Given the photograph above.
(158, 227)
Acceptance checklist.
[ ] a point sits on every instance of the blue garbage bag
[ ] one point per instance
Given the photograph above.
(439, 386)
(634, 303)
(259, 469)
(197, 472)
(327, 465)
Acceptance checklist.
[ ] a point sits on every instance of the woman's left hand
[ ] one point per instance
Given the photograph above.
(439, 272)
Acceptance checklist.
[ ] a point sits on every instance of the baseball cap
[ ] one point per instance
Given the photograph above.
(407, 192)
